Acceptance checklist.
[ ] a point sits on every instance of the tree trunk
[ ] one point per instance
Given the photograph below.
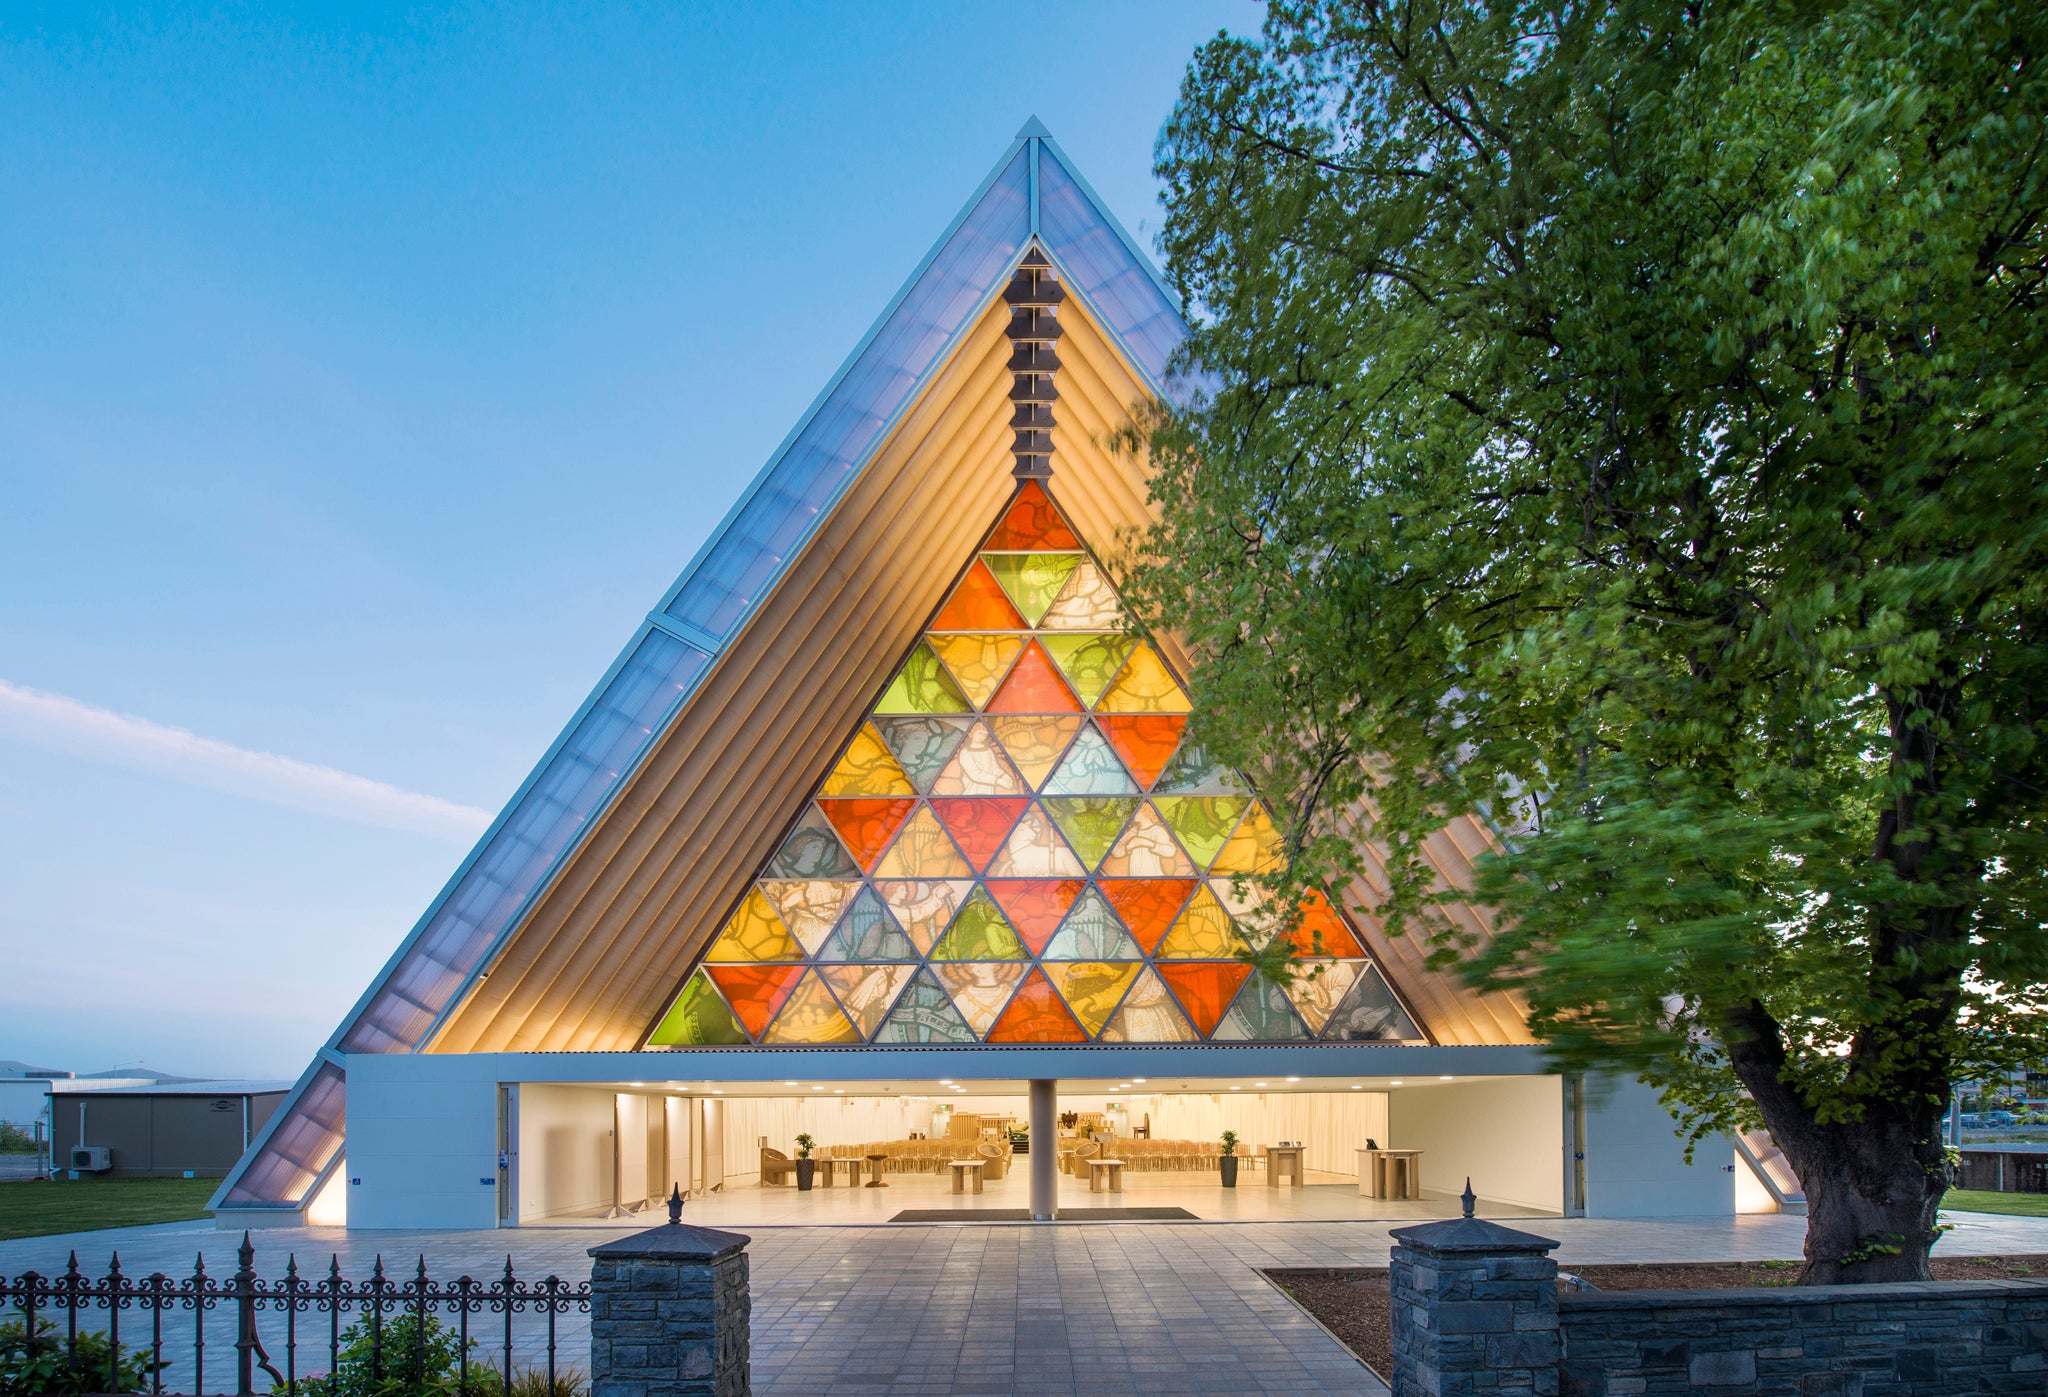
(1871, 1199)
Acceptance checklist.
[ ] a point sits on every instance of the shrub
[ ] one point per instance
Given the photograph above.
(58, 1367)
(439, 1361)
(15, 1140)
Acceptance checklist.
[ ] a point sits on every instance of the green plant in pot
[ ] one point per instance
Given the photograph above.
(1228, 1163)
(806, 1167)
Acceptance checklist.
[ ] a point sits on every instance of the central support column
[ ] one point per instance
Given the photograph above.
(1045, 1152)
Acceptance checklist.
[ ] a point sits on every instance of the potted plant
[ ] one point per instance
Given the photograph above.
(806, 1167)
(1228, 1163)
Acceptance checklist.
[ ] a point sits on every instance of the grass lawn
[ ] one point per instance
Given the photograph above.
(38, 1208)
(1983, 1200)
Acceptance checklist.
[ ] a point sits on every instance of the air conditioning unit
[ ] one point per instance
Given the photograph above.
(91, 1159)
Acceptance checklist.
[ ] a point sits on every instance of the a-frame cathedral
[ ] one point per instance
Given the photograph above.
(884, 829)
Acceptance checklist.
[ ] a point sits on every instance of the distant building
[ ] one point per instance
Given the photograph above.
(24, 1090)
(178, 1127)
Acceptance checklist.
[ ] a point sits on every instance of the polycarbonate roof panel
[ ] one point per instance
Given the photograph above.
(1119, 284)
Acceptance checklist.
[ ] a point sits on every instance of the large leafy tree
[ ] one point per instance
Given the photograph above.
(1626, 422)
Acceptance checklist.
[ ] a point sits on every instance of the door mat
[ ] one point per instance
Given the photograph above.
(1024, 1215)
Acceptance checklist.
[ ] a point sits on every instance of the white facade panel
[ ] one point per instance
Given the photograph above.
(1635, 1160)
(422, 1144)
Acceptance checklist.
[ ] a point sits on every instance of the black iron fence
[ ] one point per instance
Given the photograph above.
(114, 1327)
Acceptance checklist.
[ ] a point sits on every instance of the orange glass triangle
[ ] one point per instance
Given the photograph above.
(1146, 741)
(1032, 522)
(1035, 906)
(867, 825)
(1204, 989)
(979, 604)
(1319, 918)
(1037, 1014)
(1147, 905)
(755, 992)
(1034, 686)
(979, 824)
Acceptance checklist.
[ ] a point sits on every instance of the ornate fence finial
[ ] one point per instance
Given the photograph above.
(675, 1205)
(1466, 1197)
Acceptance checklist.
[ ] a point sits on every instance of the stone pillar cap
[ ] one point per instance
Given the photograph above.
(1467, 1235)
(673, 1242)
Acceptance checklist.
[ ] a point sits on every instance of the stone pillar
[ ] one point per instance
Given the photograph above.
(1474, 1310)
(1045, 1155)
(669, 1313)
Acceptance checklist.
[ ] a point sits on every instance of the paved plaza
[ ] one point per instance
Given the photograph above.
(1102, 1309)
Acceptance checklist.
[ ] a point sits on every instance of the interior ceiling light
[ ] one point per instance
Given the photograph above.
(1139, 1080)
(1393, 1084)
(1237, 1088)
(1294, 1079)
(1443, 1079)
(1357, 1087)
(789, 1084)
(1258, 1084)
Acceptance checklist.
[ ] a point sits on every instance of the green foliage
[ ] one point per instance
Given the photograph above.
(1625, 423)
(15, 1139)
(1230, 1142)
(57, 1367)
(804, 1146)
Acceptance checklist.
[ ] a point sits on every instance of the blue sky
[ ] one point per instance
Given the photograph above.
(365, 373)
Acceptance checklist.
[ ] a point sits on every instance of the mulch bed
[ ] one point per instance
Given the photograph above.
(1351, 1301)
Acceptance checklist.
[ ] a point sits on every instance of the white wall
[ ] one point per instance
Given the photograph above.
(565, 1150)
(1635, 1162)
(1506, 1134)
(829, 1120)
(633, 1177)
(1334, 1125)
(422, 1147)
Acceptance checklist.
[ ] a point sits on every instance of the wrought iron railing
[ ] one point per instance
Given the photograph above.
(78, 1315)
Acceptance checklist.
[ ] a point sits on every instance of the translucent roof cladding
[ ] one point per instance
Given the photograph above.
(1099, 260)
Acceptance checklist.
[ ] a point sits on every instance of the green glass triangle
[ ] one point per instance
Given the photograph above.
(1090, 823)
(1089, 662)
(699, 1018)
(980, 932)
(866, 932)
(923, 745)
(923, 686)
(1202, 823)
(924, 1013)
(1032, 580)
(1091, 931)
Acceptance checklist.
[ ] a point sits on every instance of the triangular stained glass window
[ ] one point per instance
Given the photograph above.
(1017, 844)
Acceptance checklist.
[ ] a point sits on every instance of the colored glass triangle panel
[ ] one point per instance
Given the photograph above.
(977, 661)
(1193, 772)
(1371, 1014)
(867, 992)
(1202, 932)
(1091, 768)
(1037, 1014)
(923, 745)
(868, 933)
(1148, 1015)
(812, 1015)
(1031, 580)
(1091, 931)
(866, 825)
(755, 933)
(1035, 906)
(980, 989)
(1321, 932)
(1090, 823)
(810, 907)
(1093, 989)
(812, 850)
(698, 1019)
(924, 907)
(868, 768)
(1148, 905)
(1261, 1014)
(1254, 848)
(1249, 903)
(1147, 849)
(924, 1014)
(1145, 686)
(1032, 521)
(1146, 741)
(1034, 686)
(978, 604)
(755, 992)
(923, 850)
(980, 768)
(1035, 850)
(1318, 987)
(1089, 662)
(1204, 989)
(923, 686)
(980, 824)
(1202, 824)
(980, 932)
(1086, 603)
(1035, 744)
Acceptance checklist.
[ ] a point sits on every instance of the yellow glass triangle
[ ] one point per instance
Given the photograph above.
(755, 933)
(1093, 988)
(1145, 686)
(978, 661)
(923, 850)
(869, 768)
(1201, 932)
(1035, 743)
(812, 1015)
(1254, 847)
(923, 686)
